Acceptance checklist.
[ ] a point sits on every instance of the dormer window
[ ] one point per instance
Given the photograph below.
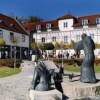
(85, 22)
(1, 21)
(97, 20)
(38, 27)
(65, 24)
(48, 26)
(11, 25)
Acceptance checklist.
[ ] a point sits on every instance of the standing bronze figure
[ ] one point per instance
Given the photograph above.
(87, 67)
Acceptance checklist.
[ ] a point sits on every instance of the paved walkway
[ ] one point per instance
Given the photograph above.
(16, 87)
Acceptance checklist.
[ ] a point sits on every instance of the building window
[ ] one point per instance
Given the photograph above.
(38, 27)
(12, 25)
(33, 39)
(54, 39)
(1, 22)
(23, 38)
(43, 39)
(78, 37)
(11, 36)
(98, 21)
(65, 39)
(92, 36)
(85, 22)
(1, 33)
(48, 26)
(65, 24)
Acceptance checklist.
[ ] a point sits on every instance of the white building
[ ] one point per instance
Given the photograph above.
(66, 28)
(11, 28)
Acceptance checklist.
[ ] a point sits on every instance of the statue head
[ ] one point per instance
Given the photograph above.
(83, 35)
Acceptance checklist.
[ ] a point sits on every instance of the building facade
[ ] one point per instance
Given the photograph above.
(15, 37)
(66, 28)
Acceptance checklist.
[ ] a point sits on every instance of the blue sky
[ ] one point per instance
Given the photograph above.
(49, 9)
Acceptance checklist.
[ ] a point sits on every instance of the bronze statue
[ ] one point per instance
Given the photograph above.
(87, 67)
(41, 79)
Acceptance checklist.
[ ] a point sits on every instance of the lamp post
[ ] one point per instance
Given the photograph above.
(62, 58)
(14, 56)
(14, 41)
(62, 45)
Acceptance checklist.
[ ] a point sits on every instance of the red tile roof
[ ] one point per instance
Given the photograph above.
(11, 24)
(91, 20)
(68, 16)
(32, 26)
(77, 23)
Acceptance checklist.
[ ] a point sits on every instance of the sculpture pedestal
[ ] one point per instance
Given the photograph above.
(33, 57)
(45, 95)
(78, 89)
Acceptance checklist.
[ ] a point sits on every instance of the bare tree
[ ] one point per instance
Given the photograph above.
(33, 19)
(2, 42)
(14, 40)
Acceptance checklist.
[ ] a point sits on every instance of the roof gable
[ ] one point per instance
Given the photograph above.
(68, 16)
(11, 24)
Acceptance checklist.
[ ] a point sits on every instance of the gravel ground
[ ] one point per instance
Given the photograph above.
(16, 87)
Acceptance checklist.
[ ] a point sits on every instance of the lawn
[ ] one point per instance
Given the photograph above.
(77, 69)
(6, 71)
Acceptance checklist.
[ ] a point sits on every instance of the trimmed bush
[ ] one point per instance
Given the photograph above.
(68, 61)
(74, 62)
(10, 62)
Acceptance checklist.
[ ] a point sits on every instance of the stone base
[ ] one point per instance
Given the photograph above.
(45, 95)
(33, 57)
(27, 64)
(79, 89)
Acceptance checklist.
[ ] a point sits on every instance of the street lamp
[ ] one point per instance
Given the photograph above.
(62, 58)
(14, 56)
(62, 55)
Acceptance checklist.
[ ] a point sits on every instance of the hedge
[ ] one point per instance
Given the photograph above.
(10, 62)
(75, 62)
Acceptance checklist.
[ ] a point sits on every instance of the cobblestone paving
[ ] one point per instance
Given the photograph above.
(16, 87)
